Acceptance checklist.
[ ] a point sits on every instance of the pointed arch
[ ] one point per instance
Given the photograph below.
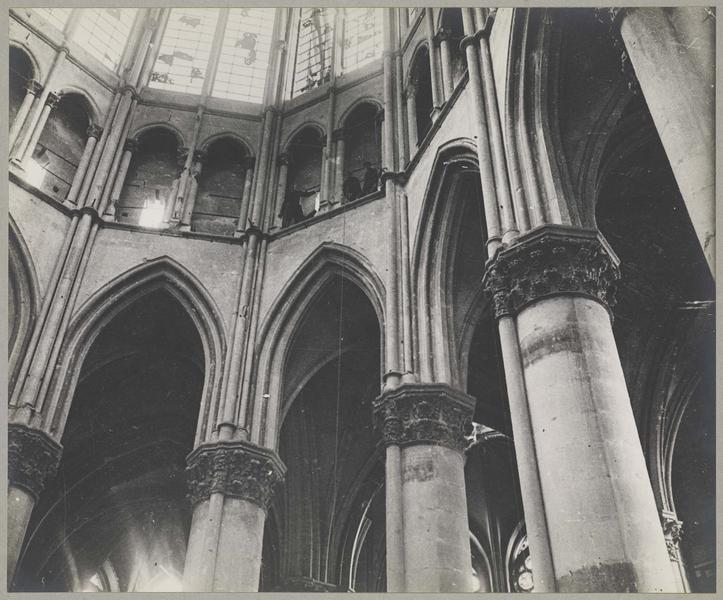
(288, 312)
(433, 249)
(23, 298)
(162, 273)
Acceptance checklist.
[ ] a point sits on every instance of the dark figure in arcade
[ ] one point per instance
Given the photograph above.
(351, 188)
(371, 179)
(291, 212)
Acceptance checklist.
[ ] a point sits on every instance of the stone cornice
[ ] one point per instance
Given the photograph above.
(236, 469)
(429, 414)
(551, 261)
(33, 458)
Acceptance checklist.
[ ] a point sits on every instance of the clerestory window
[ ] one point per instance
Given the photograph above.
(185, 50)
(104, 32)
(362, 37)
(313, 64)
(244, 58)
(57, 17)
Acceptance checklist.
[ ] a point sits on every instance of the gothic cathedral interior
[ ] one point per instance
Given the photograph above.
(361, 299)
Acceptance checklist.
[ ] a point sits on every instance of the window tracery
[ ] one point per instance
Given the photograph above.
(57, 17)
(313, 64)
(244, 57)
(361, 37)
(103, 32)
(185, 50)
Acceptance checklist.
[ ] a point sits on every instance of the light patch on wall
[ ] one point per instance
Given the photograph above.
(152, 214)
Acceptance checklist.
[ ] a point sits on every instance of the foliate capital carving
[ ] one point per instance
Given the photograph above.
(52, 100)
(337, 134)
(200, 156)
(552, 261)
(33, 458)
(94, 130)
(34, 87)
(673, 533)
(432, 414)
(237, 469)
(284, 158)
(442, 35)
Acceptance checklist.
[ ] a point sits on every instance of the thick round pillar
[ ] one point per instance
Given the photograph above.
(339, 178)
(557, 282)
(33, 459)
(412, 121)
(230, 486)
(281, 187)
(426, 422)
(129, 149)
(667, 48)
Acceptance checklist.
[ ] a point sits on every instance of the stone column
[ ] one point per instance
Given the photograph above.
(423, 429)
(230, 487)
(673, 533)
(437, 100)
(446, 55)
(94, 132)
(50, 103)
(339, 179)
(170, 207)
(199, 157)
(249, 164)
(412, 121)
(597, 501)
(129, 149)
(672, 52)
(33, 90)
(33, 459)
(281, 187)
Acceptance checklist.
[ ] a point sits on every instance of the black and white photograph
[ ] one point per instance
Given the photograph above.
(361, 298)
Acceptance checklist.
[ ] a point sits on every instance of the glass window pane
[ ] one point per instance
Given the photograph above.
(362, 40)
(104, 32)
(244, 59)
(313, 49)
(185, 50)
(57, 17)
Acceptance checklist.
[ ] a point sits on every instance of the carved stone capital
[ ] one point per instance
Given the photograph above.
(337, 134)
(94, 130)
(131, 145)
(431, 414)
(52, 100)
(237, 469)
(200, 156)
(33, 458)
(673, 533)
(552, 261)
(34, 87)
